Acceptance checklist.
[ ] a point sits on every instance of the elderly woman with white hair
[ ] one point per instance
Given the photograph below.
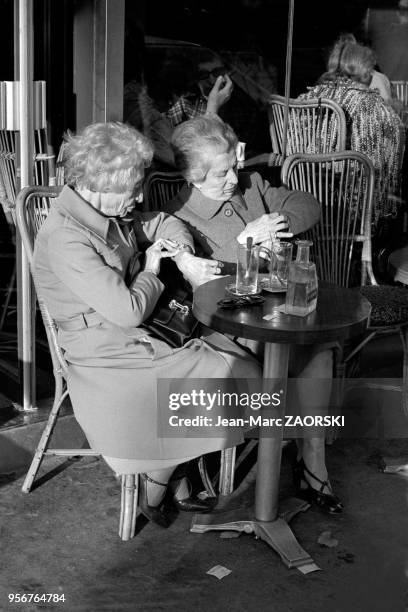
(223, 208)
(96, 264)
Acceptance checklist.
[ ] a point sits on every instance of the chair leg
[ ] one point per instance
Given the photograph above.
(128, 506)
(9, 292)
(60, 395)
(227, 470)
(205, 477)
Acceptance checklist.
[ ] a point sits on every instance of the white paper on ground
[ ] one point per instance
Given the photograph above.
(219, 571)
(308, 568)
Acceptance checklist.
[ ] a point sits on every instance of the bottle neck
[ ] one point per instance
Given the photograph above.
(302, 254)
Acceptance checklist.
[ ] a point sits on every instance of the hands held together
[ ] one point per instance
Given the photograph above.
(195, 269)
(157, 251)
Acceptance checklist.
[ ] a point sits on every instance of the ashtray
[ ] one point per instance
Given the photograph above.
(233, 290)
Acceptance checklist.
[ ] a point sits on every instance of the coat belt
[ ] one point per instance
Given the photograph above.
(81, 321)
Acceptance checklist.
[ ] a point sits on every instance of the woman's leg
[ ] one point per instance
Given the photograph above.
(155, 492)
(313, 388)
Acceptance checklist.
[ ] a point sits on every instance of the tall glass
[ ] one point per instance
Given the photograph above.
(247, 269)
(281, 257)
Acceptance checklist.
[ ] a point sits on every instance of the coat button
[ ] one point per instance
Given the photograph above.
(228, 212)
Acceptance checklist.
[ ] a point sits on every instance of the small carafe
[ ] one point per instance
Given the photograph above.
(301, 296)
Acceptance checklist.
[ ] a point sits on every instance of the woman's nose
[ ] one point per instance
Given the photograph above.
(139, 197)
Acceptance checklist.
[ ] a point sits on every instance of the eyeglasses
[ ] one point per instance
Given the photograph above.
(244, 301)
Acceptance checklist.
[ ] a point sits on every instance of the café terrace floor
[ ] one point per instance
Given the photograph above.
(62, 537)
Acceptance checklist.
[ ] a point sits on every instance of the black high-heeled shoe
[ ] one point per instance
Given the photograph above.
(189, 504)
(152, 513)
(328, 502)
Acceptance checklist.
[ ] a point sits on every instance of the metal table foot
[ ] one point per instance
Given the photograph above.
(275, 533)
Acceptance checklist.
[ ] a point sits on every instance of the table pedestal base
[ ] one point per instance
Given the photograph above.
(275, 533)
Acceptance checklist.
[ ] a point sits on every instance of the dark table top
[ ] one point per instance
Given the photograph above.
(341, 314)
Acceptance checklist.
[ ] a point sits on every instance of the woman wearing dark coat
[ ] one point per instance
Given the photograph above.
(223, 209)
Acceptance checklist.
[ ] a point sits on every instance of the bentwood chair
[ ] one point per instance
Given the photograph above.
(314, 126)
(343, 183)
(32, 207)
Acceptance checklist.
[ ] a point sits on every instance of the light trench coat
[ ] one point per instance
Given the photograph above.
(88, 272)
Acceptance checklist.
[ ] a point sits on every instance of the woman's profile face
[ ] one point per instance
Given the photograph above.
(221, 179)
(118, 203)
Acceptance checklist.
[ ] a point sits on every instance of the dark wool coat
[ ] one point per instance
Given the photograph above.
(215, 225)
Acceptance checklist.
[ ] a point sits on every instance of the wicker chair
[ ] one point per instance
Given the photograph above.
(343, 183)
(400, 91)
(43, 174)
(32, 207)
(159, 188)
(314, 126)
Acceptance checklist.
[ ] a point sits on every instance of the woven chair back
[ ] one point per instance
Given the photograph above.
(159, 188)
(343, 183)
(32, 208)
(314, 126)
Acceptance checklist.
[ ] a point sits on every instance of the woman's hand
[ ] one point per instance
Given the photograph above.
(198, 270)
(272, 225)
(159, 249)
(219, 94)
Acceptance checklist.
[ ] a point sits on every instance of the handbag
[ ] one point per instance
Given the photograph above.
(172, 319)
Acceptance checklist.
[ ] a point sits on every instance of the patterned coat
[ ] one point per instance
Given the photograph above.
(373, 128)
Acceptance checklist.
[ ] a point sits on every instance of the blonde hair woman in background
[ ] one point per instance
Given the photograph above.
(373, 127)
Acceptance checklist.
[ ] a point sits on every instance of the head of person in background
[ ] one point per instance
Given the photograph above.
(205, 150)
(353, 60)
(209, 68)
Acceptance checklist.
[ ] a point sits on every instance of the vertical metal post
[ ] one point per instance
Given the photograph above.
(109, 60)
(288, 74)
(26, 310)
(98, 60)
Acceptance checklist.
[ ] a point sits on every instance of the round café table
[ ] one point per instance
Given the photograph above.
(340, 314)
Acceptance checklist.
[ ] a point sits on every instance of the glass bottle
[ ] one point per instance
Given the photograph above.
(301, 296)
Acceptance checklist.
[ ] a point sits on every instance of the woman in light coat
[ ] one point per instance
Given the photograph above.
(96, 264)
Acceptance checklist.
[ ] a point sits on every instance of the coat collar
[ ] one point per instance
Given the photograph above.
(78, 209)
(205, 207)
